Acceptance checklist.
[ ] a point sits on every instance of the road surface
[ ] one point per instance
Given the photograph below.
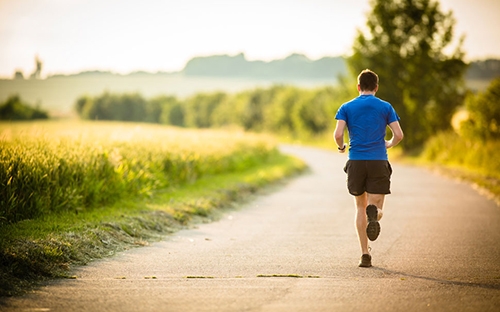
(296, 250)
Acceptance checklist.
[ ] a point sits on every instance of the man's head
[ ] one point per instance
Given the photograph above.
(367, 81)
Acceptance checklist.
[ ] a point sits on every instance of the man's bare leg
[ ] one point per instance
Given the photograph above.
(361, 202)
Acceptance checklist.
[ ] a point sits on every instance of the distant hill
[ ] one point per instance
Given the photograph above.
(485, 70)
(295, 66)
(106, 74)
(291, 68)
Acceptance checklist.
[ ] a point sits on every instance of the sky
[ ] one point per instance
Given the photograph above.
(123, 36)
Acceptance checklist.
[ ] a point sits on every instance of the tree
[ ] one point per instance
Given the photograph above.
(200, 107)
(405, 47)
(278, 111)
(172, 112)
(37, 74)
(252, 116)
(484, 113)
(129, 107)
(107, 106)
(230, 111)
(15, 109)
(315, 109)
(18, 75)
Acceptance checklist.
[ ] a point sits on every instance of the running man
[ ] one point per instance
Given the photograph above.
(368, 168)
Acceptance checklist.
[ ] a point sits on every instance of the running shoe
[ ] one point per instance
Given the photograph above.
(373, 227)
(366, 261)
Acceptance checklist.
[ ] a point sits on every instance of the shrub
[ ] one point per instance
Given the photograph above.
(15, 109)
(484, 113)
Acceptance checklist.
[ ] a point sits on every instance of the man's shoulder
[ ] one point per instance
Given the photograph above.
(383, 101)
(372, 99)
(375, 98)
(351, 102)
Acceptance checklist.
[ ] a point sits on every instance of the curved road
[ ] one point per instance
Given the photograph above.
(296, 250)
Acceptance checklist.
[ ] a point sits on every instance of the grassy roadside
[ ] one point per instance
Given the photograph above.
(462, 158)
(35, 250)
(447, 154)
(486, 184)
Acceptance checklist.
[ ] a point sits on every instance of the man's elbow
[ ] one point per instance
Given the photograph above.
(399, 136)
(338, 135)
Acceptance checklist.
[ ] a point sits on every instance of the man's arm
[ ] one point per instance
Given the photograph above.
(338, 135)
(397, 134)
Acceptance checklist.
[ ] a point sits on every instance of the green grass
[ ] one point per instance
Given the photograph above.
(472, 161)
(52, 167)
(34, 250)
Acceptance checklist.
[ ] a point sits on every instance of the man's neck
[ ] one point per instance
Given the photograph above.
(367, 92)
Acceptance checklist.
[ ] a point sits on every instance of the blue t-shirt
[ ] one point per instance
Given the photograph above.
(367, 117)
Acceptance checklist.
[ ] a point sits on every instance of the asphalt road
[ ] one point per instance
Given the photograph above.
(296, 250)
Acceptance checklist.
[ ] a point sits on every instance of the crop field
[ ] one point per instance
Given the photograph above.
(51, 167)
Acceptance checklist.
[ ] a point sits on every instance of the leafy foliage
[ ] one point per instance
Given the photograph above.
(15, 109)
(484, 114)
(198, 109)
(283, 109)
(450, 149)
(405, 47)
(125, 107)
(168, 108)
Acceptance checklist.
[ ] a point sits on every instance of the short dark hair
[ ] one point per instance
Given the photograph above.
(368, 80)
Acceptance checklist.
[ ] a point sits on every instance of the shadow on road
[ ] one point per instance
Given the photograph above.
(437, 280)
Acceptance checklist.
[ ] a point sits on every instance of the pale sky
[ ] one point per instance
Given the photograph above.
(162, 35)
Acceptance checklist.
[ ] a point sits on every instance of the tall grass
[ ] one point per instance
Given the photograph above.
(475, 161)
(51, 167)
(451, 149)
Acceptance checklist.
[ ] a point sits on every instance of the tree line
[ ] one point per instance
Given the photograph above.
(281, 109)
(285, 110)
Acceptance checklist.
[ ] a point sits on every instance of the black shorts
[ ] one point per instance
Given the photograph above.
(372, 176)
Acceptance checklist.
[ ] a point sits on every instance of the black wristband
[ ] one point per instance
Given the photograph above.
(343, 148)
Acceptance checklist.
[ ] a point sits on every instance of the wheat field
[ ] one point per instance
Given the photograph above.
(55, 166)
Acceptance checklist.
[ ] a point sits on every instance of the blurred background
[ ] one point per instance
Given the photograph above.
(108, 100)
(53, 51)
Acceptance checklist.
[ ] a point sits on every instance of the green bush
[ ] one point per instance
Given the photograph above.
(170, 110)
(123, 107)
(198, 109)
(484, 114)
(451, 149)
(287, 110)
(278, 112)
(15, 109)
